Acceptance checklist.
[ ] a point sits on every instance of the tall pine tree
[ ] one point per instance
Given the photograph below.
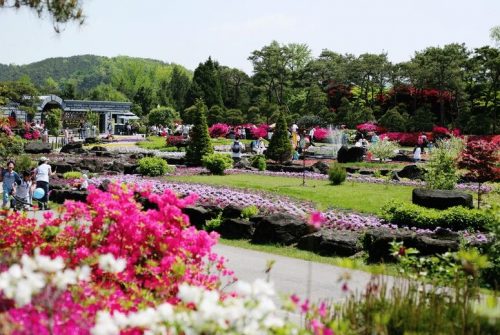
(280, 147)
(206, 85)
(200, 144)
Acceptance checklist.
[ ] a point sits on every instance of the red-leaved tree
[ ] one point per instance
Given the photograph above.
(480, 158)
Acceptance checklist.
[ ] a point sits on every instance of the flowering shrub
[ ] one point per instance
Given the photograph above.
(368, 127)
(219, 130)
(260, 131)
(176, 141)
(320, 134)
(136, 258)
(404, 139)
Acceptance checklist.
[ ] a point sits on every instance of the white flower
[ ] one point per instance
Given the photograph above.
(142, 319)
(47, 264)
(165, 312)
(108, 263)
(261, 287)
(83, 273)
(62, 279)
(189, 294)
(104, 325)
(243, 288)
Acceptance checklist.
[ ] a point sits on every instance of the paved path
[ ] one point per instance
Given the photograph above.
(290, 275)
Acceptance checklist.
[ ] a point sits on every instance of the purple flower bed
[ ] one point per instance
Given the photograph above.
(271, 203)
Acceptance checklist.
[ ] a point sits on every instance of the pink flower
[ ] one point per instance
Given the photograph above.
(317, 219)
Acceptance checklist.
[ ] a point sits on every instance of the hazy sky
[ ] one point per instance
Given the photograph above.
(188, 31)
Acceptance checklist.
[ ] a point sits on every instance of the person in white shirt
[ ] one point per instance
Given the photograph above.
(42, 174)
(417, 154)
(85, 183)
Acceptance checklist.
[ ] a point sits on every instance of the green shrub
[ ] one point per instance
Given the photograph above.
(214, 223)
(24, 163)
(217, 163)
(72, 175)
(337, 174)
(10, 146)
(249, 211)
(443, 164)
(154, 166)
(455, 218)
(280, 148)
(259, 162)
(384, 149)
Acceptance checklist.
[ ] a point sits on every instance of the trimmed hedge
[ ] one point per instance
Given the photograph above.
(337, 174)
(154, 166)
(456, 218)
(217, 163)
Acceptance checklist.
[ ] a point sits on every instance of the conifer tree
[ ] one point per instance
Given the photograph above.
(199, 144)
(280, 147)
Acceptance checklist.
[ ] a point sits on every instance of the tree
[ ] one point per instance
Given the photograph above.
(233, 117)
(188, 115)
(215, 115)
(393, 120)
(200, 144)
(481, 158)
(280, 147)
(495, 35)
(106, 92)
(443, 164)
(53, 121)
(206, 84)
(144, 97)
(60, 11)
(423, 120)
(163, 115)
(179, 86)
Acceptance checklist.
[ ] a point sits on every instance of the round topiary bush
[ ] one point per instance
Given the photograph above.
(217, 163)
(154, 166)
(337, 174)
(259, 162)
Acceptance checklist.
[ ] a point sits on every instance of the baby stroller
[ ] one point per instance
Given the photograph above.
(18, 204)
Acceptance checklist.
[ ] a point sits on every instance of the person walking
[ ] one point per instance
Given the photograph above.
(42, 174)
(9, 177)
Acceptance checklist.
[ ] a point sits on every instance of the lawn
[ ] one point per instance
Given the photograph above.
(359, 197)
(159, 143)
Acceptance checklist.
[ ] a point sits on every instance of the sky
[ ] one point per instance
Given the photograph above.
(186, 32)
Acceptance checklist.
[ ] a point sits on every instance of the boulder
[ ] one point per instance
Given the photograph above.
(130, 168)
(279, 229)
(37, 147)
(198, 215)
(98, 148)
(63, 167)
(332, 242)
(117, 166)
(376, 243)
(91, 140)
(355, 154)
(401, 157)
(74, 147)
(91, 165)
(352, 169)
(288, 168)
(244, 163)
(412, 172)
(231, 212)
(236, 229)
(441, 199)
(320, 167)
(366, 172)
(342, 154)
(61, 195)
(104, 185)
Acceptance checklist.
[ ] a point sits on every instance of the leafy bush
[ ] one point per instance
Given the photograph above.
(249, 212)
(163, 116)
(200, 144)
(218, 130)
(443, 164)
(217, 163)
(154, 166)
(456, 218)
(53, 121)
(72, 175)
(10, 146)
(214, 223)
(280, 148)
(384, 149)
(259, 162)
(393, 120)
(337, 174)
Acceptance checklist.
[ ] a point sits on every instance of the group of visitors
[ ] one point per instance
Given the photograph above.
(22, 189)
(41, 129)
(160, 130)
(422, 144)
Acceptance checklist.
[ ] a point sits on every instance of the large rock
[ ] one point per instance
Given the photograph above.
(59, 196)
(441, 199)
(288, 168)
(63, 167)
(231, 212)
(244, 163)
(412, 172)
(332, 242)
(236, 229)
(199, 215)
(377, 243)
(98, 148)
(37, 147)
(355, 154)
(320, 167)
(279, 229)
(130, 168)
(91, 165)
(71, 148)
(342, 154)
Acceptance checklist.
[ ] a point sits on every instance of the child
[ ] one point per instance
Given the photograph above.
(24, 190)
(85, 183)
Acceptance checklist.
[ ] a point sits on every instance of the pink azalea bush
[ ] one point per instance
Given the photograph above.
(219, 130)
(320, 134)
(259, 131)
(136, 257)
(369, 127)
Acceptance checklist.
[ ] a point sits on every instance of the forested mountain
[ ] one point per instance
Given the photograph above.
(451, 86)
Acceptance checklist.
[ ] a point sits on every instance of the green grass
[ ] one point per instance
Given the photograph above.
(360, 197)
(153, 143)
(375, 165)
(290, 251)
